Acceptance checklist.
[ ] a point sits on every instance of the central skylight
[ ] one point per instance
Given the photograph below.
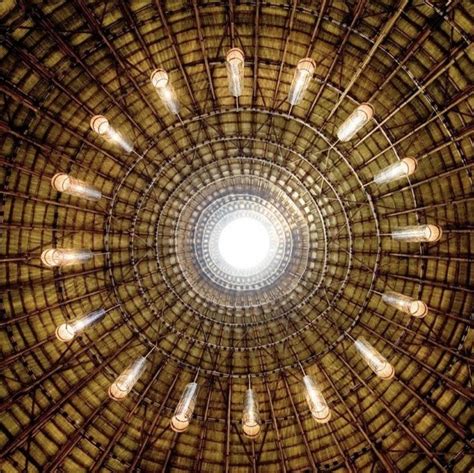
(244, 243)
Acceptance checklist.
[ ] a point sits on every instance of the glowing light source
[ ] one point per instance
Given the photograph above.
(164, 89)
(127, 379)
(185, 408)
(377, 363)
(251, 424)
(317, 404)
(235, 71)
(67, 331)
(356, 120)
(303, 74)
(403, 168)
(72, 186)
(413, 307)
(65, 257)
(102, 127)
(418, 233)
(244, 243)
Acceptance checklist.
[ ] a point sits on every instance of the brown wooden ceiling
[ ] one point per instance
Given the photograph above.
(62, 62)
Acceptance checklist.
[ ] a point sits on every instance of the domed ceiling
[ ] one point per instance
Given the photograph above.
(240, 243)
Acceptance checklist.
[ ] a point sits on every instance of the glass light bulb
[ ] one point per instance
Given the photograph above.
(251, 424)
(101, 126)
(67, 331)
(185, 408)
(124, 383)
(164, 89)
(72, 186)
(377, 363)
(235, 71)
(403, 168)
(356, 120)
(303, 74)
(317, 404)
(65, 257)
(418, 233)
(413, 307)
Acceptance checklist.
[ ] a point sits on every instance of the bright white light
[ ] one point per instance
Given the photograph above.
(244, 243)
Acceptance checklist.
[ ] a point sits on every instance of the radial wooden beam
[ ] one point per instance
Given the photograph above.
(387, 26)
(37, 423)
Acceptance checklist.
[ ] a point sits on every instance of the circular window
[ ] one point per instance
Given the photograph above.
(244, 243)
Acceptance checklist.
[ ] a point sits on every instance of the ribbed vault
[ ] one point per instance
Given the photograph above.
(151, 234)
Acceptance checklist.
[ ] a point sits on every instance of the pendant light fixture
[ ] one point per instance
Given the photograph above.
(418, 233)
(407, 304)
(102, 127)
(251, 423)
(377, 363)
(72, 186)
(124, 383)
(185, 408)
(165, 90)
(303, 73)
(67, 331)
(235, 71)
(65, 257)
(403, 168)
(316, 402)
(356, 120)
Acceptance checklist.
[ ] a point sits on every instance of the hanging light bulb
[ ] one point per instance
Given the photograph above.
(235, 71)
(356, 120)
(102, 127)
(251, 424)
(72, 186)
(377, 363)
(185, 408)
(67, 331)
(317, 404)
(418, 233)
(127, 379)
(405, 304)
(403, 168)
(65, 257)
(303, 74)
(161, 83)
